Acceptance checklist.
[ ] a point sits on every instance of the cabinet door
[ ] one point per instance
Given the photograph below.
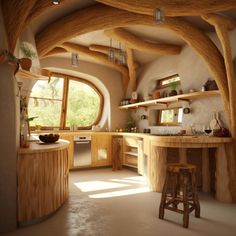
(101, 150)
(70, 138)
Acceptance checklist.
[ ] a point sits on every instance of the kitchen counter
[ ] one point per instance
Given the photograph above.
(42, 176)
(38, 147)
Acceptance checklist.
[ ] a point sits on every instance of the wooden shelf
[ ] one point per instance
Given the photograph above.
(133, 166)
(177, 98)
(132, 153)
(24, 74)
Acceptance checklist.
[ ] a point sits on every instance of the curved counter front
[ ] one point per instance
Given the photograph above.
(42, 173)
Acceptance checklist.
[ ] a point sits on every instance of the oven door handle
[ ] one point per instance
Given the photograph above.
(81, 142)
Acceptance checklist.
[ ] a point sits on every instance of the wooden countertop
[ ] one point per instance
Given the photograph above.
(36, 147)
(170, 141)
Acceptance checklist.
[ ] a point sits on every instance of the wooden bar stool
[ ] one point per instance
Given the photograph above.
(180, 187)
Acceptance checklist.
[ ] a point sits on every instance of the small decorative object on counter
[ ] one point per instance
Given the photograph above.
(203, 88)
(211, 85)
(191, 90)
(134, 97)
(143, 117)
(156, 94)
(147, 131)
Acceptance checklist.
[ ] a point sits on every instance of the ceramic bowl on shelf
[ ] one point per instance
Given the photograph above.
(49, 138)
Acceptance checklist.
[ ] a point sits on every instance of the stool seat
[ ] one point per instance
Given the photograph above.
(180, 187)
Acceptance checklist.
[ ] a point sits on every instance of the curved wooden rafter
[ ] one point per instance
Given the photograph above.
(222, 26)
(132, 69)
(134, 42)
(71, 47)
(104, 17)
(172, 8)
(15, 13)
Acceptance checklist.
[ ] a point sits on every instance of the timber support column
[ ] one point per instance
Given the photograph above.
(157, 168)
(223, 193)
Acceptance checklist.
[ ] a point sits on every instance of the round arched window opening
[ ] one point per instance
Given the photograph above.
(65, 102)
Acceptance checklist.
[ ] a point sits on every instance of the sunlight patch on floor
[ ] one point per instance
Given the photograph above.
(98, 185)
(120, 193)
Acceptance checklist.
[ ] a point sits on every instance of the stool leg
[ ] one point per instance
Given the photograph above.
(195, 196)
(163, 198)
(175, 184)
(185, 202)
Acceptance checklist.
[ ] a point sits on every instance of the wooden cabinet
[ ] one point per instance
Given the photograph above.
(133, 153)
(101, 150)
(70, 138)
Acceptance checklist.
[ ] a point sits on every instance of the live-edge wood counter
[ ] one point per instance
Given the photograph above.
(158, 154)
(42, 176)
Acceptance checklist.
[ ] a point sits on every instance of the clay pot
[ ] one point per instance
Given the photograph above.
(173, 93)
(25, 63)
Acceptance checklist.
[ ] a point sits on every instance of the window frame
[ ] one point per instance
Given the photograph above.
(175, 123)
(66, 79)
(160, 81)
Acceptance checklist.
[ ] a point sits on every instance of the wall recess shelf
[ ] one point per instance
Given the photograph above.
(182, 97)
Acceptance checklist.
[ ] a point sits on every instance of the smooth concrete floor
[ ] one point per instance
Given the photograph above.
(119, 203)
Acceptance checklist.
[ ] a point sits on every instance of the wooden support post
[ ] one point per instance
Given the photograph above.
(222, 176)
(157, 168)
(205, 171)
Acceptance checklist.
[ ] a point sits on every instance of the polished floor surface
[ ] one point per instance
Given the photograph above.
(119, 203)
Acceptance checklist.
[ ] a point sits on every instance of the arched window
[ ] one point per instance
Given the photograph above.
(64, 102)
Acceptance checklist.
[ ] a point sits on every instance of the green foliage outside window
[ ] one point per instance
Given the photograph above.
(83, 103)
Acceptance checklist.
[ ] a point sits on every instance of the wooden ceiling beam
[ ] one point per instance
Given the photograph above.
(172, 8)
(100, 57)
(219, 20)
(104, 17)
(132, 69)
(134, 42)
(15, 13)
(222, 25)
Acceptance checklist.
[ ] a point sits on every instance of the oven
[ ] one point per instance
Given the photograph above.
(82, 151)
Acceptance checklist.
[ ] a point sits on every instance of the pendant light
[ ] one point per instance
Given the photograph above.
(159, 15)
(111, 52)
(122, 56)
(74, 59)
(55, 2)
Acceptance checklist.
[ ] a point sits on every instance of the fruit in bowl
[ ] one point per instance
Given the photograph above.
(49, 138)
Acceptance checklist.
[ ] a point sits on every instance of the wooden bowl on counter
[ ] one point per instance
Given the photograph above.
(49, 138)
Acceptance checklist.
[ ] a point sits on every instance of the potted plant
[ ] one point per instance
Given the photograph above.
(26, 61)
(173, 86)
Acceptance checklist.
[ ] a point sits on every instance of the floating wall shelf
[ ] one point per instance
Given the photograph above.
(182, 97)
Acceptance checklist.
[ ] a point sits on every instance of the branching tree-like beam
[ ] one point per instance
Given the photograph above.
(132, 41)
(71, 47)
(172, 8)
(104, 17)
(132, 69)
(221, 26)
(220, 21)
(15, 13)
(56, 50)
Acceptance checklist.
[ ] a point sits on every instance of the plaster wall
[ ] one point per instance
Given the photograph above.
(8, 140)
(193, 73)
(108, 81)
